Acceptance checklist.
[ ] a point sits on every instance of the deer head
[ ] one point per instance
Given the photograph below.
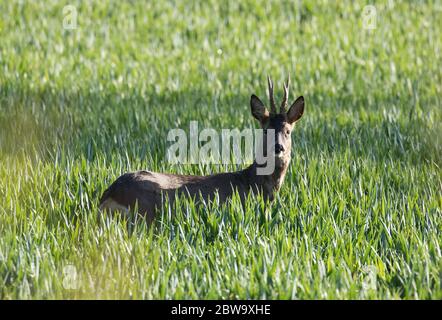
(278, 123)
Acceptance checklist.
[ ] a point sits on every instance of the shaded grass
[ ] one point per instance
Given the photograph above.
(359, 215)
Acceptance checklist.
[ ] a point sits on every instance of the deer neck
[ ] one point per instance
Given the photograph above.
(268, 183)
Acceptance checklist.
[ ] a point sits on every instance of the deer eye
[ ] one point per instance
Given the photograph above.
(287, 132)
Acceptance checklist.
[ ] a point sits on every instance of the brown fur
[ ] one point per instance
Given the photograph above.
(148, 190)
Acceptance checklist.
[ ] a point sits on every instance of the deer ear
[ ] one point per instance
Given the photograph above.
(296, 110)
(259, 111)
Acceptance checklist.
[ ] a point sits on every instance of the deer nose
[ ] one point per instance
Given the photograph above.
(279, 148)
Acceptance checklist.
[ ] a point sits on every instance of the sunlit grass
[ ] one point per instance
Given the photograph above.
(359, 214)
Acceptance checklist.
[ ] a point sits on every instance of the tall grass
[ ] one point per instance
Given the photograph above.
(359, 214)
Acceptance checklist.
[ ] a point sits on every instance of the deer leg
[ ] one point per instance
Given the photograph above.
(112, 206)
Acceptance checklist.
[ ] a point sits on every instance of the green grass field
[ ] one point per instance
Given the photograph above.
(358, 217)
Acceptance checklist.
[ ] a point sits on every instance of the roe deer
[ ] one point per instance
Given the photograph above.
(146, 190)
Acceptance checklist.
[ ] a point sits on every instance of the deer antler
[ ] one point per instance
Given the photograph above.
(272, 101)
(286, 96)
